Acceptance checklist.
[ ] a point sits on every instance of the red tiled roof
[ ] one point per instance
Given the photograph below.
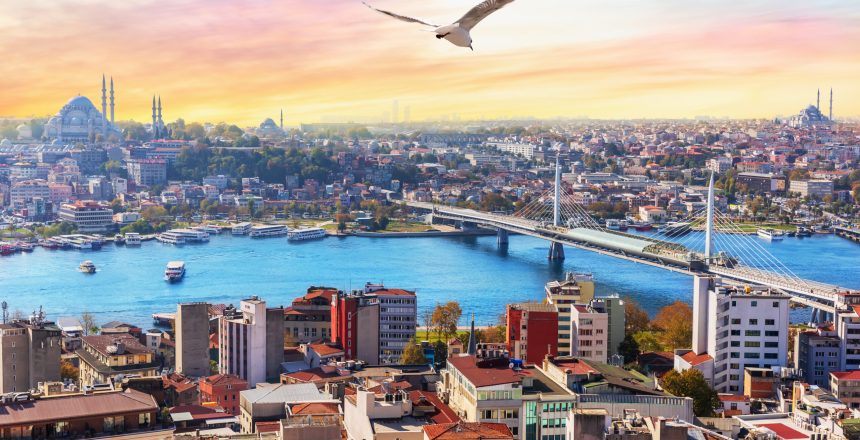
(846, 375)
(483, 377)
(200, 412)
(225, 379)
(385, 292)
(325, 349)
(444, 413)
(101, 343)
(695, 359)
(312, 375)
(575, 366)
(314, 408)
(784, 432)
(468, 430)
(77, 407)
(268, 426)
(734, 398)
(392, 386)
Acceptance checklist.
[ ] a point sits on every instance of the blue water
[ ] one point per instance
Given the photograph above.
(473, 271)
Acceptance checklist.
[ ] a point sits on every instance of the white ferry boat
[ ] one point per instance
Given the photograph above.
(192, 235)
(305, 234)
(209, 229)
(132, 239)
(169, 237)
(241, 229)
(769, 234)
(268, 231)
(175, 271)
(87, 267)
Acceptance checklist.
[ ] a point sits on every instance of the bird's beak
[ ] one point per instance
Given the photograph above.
(470, 47)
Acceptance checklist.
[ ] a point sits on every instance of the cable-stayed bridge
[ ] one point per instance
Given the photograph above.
(706, 242)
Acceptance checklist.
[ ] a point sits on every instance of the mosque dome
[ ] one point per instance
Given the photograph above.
(5, 143)
(24, 131)
(81, 101)
(268, 123)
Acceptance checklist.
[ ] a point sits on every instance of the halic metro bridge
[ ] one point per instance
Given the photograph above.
(724, 249)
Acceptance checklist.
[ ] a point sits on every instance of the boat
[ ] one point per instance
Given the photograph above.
(174, 271)
(305, 234)
(268, 231)
(676, 228)
(803, 231)
(7, 249)
(132, 239)
(169, 237)
(25, 247)
(87, 267)
(642, 227)
(769, 234)
(241, 229)
(622, 225)
(613, 224)
(209, 229)
(190, 235)
(118, 239)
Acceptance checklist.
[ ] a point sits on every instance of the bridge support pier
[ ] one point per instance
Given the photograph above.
(556, 251)
(502, 237)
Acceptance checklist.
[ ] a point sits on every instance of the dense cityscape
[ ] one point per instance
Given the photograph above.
(375, 362)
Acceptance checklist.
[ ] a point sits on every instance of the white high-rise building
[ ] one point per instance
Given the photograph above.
(251, 341)
(735, 327)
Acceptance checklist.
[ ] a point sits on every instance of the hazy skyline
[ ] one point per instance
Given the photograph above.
(218, 60)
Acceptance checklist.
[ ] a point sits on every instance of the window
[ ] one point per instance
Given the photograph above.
(736, 343)
(752, 344)
(736, 321)
(754, 303)
(771, 333)
(769, 322)
(776, 303)
(751, 355)
(736, 332)
(753, 321)
(770, 356)
(752, 333)
(771, 344)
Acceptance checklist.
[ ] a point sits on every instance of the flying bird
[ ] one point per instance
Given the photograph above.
(458, 33)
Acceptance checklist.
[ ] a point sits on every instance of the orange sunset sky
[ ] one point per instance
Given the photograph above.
(242, 61)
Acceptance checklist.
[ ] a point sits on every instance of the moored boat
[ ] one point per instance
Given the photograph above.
(132, 239)
(769, 234)
(268, 231)
(305, 234)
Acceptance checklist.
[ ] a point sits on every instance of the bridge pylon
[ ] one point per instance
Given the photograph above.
(502, 237)
(556, 251)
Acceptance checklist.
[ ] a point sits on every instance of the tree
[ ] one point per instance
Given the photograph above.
(629, 348)
(691, 383)
(445, 319)
(412, 354)
(69, 371)
(88, 323)
(635, 319)
(647, 341)
(675, 324)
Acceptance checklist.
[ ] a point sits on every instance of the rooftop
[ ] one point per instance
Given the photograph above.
(468, 430)
(483, 373)
(281, 393)
(76, 407)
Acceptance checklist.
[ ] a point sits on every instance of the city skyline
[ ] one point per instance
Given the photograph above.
(329, 59)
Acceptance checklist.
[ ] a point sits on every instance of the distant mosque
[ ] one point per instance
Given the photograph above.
(158, 129)
(80, 121)
(812, 116)
(269, 128)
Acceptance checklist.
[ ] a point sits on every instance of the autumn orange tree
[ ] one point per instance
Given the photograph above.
(675, 323)
(635, 319)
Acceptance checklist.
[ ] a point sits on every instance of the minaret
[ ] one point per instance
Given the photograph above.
(472, 348)
(154, 125)
(282, 119)
(104, 107)
(111, 102)
(831, 105)
(818, 100)
(160, 120)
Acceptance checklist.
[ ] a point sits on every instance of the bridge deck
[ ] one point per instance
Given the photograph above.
(633, 248)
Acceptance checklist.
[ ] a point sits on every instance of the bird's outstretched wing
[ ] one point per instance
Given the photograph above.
(480, 12)
(400, 17)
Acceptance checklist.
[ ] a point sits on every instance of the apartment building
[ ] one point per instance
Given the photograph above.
(222, 390)
(845, 385)
(192, 339)
(738, 327)
(309, 318)
(147, 172)
(816, 354)
(589, 329)
(251, 341)
(87, 215)
(846, 323)
(104, 357)
(29, 354)
(814, 189)
(574, 289)
(531, 331)
(484, 390)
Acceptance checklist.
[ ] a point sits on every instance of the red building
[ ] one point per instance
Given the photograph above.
(223, 389)
(532, 331)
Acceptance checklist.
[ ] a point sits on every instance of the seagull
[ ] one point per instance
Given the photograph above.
(458, 32)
